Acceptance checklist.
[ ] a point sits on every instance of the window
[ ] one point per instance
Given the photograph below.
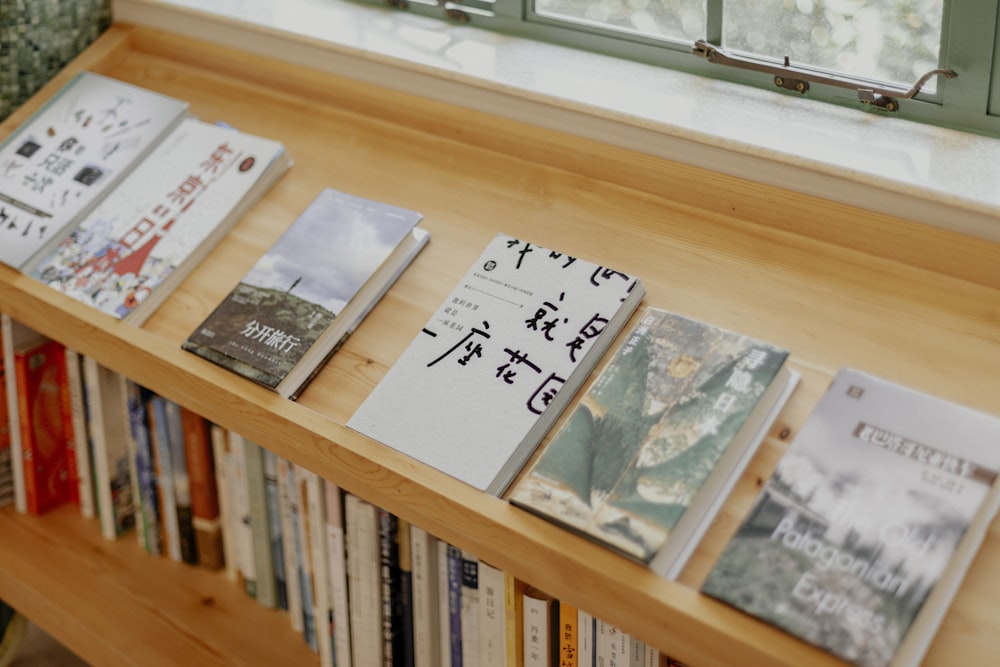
(868, 54)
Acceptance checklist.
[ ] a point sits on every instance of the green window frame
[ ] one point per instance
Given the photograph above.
(970, 101)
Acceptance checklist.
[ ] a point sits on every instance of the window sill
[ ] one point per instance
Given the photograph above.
(927, 174)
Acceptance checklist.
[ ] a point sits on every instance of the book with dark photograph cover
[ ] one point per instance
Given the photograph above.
(69, 154)
(490, 372)
(861, 537)
(656, 442)
(309, 291)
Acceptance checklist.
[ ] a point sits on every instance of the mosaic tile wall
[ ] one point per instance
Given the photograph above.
(38, 37)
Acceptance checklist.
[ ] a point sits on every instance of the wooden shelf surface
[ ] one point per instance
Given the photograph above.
(113, 604)
(837, 286)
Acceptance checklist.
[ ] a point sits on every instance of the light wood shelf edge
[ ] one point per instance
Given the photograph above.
(671, 615)
(113, 604)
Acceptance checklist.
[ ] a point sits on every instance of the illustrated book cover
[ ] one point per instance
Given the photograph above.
(860, 539)
(309, 291)
(657, 440)
(477, 389)
(126, 256)
(69, 154)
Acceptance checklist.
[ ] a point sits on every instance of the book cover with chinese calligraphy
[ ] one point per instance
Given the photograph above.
(69, 154)
(146, 235)
(861, 537)
(487, 376)
(310, 290)
(645, 459)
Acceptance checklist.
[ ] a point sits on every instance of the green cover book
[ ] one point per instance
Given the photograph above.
(652, 448)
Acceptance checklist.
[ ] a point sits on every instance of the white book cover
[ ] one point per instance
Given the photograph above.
(860, 539)
(487, 375)
(162, 219)
(69, 154)
(337, 559)
(426, 618)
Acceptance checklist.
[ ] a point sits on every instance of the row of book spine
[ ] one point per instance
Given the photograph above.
(362, 585)
(368, 588)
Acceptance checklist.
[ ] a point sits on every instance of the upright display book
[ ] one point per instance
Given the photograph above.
(147, 235)
(489, 373)
(860, 539)
(654, 445)
(309, 291)
(69, 154)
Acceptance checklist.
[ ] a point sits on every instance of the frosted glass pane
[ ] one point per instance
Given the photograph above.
(670, 19)
(885, 40)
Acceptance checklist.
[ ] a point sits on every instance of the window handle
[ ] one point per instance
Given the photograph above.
(797, 79)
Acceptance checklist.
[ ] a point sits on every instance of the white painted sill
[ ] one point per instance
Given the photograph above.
(932, 175)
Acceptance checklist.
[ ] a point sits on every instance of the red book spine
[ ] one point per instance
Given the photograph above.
(43, 437)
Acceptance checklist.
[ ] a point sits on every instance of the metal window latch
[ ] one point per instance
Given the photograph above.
(797, 79)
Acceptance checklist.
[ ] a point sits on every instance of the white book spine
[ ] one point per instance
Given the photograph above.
(244, 541)
(83, 455)
(292, 565)
(585, 639)
(321, 567)
(364, 594)
(16, 455)
(223, 463)
(492, 646)
(444, 612)
(337, 558)
(426, 636)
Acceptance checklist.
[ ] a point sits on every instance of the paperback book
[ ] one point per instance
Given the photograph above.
(860, 539)
(108, 421)
(70, 153)
(147, 235)
(45, 423)
(659, 437)
(310, 290)
(489, 373)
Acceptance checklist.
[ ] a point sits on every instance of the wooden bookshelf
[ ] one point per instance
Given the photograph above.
(836, 285)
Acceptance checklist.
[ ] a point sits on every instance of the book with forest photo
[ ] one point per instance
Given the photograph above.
(654, 445)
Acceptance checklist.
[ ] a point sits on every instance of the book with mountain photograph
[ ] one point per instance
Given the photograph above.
(655, 444)
(861, 537)
(310, 290)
